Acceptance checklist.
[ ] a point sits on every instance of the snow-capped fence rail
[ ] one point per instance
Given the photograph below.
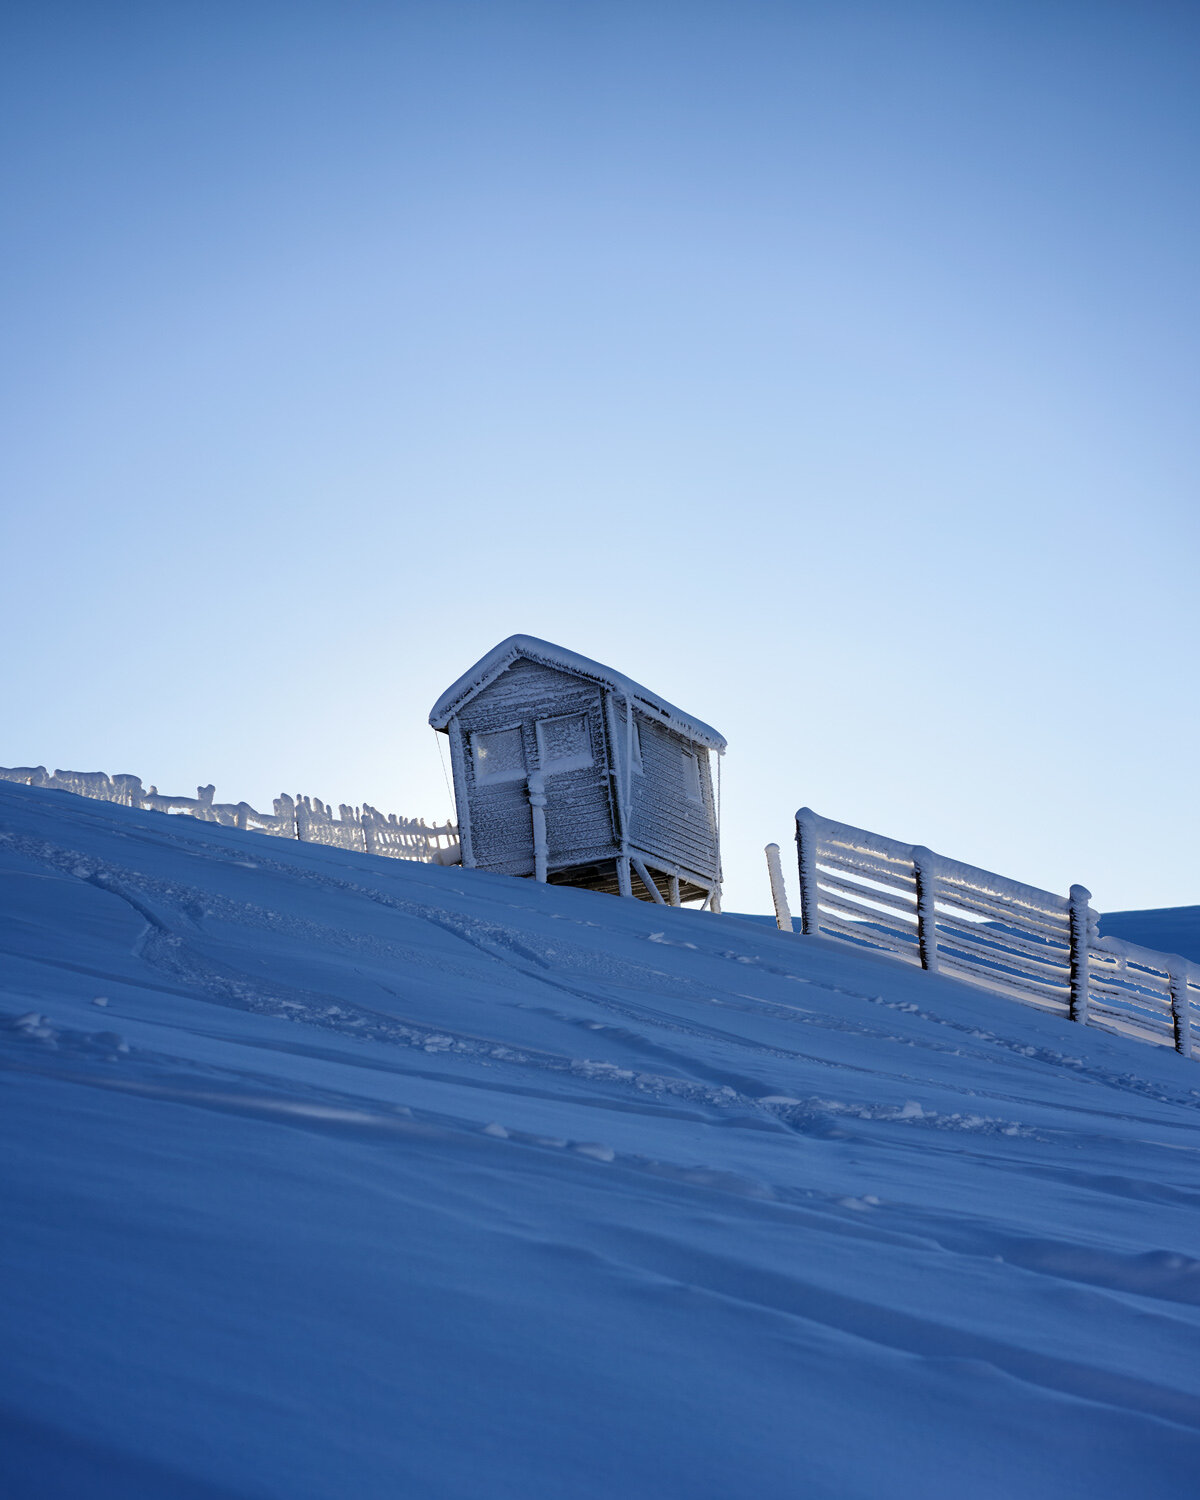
(305, 818)
(968, 923)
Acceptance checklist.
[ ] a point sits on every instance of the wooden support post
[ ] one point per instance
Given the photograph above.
(925, 869)
(1181, 1015)
(537, 806)
(783, 915)
(806, 851)
(675, 901)
(617, 793)
(1079, 917)
(647, 880)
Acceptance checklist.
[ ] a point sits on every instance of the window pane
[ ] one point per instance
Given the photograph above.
(499, 756)
(564, 744)
(691, 777)
(637, 742)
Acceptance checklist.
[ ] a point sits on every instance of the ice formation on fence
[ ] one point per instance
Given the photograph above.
(1036, 946)
(299, 817)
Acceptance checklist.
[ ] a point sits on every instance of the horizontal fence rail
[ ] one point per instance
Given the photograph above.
(939, 914)
(304, 818)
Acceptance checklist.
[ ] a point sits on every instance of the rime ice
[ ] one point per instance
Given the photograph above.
(570, 772)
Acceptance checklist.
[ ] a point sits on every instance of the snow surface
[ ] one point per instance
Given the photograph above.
(372, 1179)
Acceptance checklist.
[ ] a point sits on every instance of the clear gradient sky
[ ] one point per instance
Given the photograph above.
(830, 368)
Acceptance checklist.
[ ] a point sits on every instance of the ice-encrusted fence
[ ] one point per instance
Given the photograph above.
(926, 909)
(306, 818)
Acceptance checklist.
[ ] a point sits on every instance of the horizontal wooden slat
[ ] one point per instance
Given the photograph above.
(1130, 1023)
(896, 890)
(875, 936)
(859, 840)
(992, 957)
(984, 906)
(1013, 893)
(997, 939)
(994, 964)
(1008, 984)
(889, 900)
(1001, 934)
(1128, 995)
(876, 920)
(895, 877)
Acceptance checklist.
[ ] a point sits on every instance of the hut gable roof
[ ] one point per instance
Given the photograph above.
(530, 648)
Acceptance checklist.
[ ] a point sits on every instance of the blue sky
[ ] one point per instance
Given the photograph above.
(829, 368)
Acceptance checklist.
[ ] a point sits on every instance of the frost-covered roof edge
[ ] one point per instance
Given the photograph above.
(529, 646)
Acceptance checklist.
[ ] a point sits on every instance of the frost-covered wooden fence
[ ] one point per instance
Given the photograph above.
(307, 818)
(926, 909)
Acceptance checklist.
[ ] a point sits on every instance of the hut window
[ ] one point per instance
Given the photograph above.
(637, 748)
(499, 755)
(691, 777)
(564, 744)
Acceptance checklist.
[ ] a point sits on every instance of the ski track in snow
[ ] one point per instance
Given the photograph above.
(782, 1129)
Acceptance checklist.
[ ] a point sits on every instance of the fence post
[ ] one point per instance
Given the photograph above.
(925, 871)
(783, 916)
(1180, 1012)
(285, 812)
(1080, 896)
(806, 852)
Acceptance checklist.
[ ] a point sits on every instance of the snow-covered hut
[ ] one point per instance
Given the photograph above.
(568, 771)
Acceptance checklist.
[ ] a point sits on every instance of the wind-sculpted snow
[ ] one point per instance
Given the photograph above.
(329, 1176)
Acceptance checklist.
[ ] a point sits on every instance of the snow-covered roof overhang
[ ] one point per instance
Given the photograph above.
(529, 648)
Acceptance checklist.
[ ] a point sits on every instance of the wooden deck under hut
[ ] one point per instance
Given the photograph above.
(567, 771)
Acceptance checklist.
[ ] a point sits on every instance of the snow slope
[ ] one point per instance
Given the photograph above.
(376, 1180)
(1169, 929)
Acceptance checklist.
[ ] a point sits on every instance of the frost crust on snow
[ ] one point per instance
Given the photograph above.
(376, 1154)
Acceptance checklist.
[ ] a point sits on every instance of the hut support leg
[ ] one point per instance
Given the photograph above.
(644, 877)
(675, 901)
(624, 884)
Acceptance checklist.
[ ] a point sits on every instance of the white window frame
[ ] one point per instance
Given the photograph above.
(500, 777)
(697, 795)
(637, 767)
(569, 763)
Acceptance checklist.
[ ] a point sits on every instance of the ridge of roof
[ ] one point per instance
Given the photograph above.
(532, 648)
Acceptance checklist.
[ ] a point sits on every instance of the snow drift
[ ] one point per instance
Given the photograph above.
(334, 1176)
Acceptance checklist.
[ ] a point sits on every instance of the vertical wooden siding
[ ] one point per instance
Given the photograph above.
(665, 822)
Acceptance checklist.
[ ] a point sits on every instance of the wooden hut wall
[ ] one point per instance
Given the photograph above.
(666, 822)
(579, 815)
